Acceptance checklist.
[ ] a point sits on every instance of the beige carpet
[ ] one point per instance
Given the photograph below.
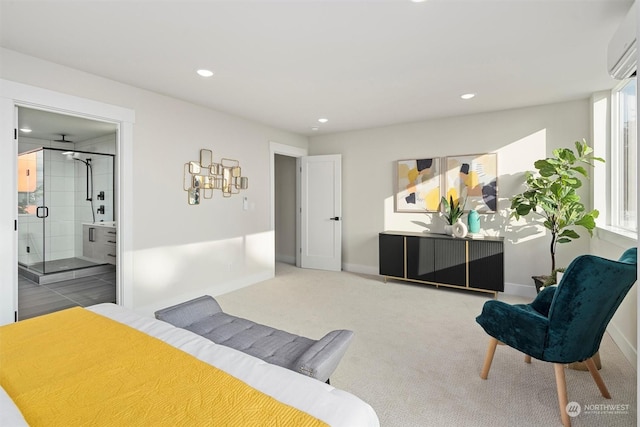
(417, 353)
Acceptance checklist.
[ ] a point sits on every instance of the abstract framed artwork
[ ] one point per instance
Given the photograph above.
(474, 176)
(418, 184)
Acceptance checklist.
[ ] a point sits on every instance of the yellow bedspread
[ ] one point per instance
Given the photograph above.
(75, 367)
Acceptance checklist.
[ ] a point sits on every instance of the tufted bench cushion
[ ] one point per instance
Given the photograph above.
(203, 316)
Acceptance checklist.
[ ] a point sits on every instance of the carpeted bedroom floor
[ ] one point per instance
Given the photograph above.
(417, 353)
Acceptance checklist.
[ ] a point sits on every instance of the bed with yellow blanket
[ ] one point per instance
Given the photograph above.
(106, 365)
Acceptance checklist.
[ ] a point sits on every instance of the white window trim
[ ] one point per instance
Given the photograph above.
(617, 236)
(606, 184)
(616, 160)
(602, 104)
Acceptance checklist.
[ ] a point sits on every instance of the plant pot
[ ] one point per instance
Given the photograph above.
(448, 230)
(539, 281)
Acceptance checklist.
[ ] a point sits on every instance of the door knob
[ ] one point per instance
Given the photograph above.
(335, 218)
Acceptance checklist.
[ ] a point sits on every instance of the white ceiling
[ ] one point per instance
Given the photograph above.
(52, 126)
(361, 64)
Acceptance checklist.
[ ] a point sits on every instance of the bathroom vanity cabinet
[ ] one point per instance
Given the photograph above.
(442, 260)
(99, 243)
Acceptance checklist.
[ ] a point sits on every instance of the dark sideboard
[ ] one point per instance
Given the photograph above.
(475, 264)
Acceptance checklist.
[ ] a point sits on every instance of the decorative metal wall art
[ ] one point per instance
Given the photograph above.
(202, 178)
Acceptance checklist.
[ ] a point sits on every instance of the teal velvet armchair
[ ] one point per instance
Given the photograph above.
(565, 323)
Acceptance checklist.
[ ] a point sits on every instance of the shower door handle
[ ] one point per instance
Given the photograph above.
(42, 211)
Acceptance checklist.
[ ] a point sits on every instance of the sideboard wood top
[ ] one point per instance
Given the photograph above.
(442, 236)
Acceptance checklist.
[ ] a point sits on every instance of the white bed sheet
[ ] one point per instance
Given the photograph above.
(333, 406)
(323, 401)
(10, 415)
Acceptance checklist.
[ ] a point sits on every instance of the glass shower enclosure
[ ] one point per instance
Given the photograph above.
(58, 192)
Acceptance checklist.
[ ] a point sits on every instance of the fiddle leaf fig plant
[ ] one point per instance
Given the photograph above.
(551, 194)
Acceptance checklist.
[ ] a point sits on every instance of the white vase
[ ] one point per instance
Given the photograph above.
(459, 229)
(448, 230)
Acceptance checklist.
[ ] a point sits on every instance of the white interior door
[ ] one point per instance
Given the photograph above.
(321, 212)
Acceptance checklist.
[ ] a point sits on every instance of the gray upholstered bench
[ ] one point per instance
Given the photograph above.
(203, 316)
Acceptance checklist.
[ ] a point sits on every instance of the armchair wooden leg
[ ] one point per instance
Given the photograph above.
(493, 343)
(527, 358)
(597, 378)
(563, 399)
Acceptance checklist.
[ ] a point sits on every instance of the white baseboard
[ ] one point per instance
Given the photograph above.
(630, 353)
(520, 290)
(287, 259)
(361, 269)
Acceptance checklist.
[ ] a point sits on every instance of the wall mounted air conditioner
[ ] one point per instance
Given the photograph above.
(622, 52)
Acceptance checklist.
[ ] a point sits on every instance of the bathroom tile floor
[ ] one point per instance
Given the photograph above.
(35, 300)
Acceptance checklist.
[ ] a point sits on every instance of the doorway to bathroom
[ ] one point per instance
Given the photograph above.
(66, 212)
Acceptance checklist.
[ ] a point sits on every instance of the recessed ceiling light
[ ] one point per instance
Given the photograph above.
(25, 130)
(418, 1)
(467, 95)
(205, 73)
(323, 120)
(315, 128)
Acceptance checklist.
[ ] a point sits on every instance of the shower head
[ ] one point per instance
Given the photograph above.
(74, 155)
(71, 155)
(63, 139)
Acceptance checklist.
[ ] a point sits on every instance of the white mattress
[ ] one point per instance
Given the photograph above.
(327, 403)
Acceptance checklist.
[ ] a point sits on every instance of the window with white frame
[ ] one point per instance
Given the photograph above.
(624, 157)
